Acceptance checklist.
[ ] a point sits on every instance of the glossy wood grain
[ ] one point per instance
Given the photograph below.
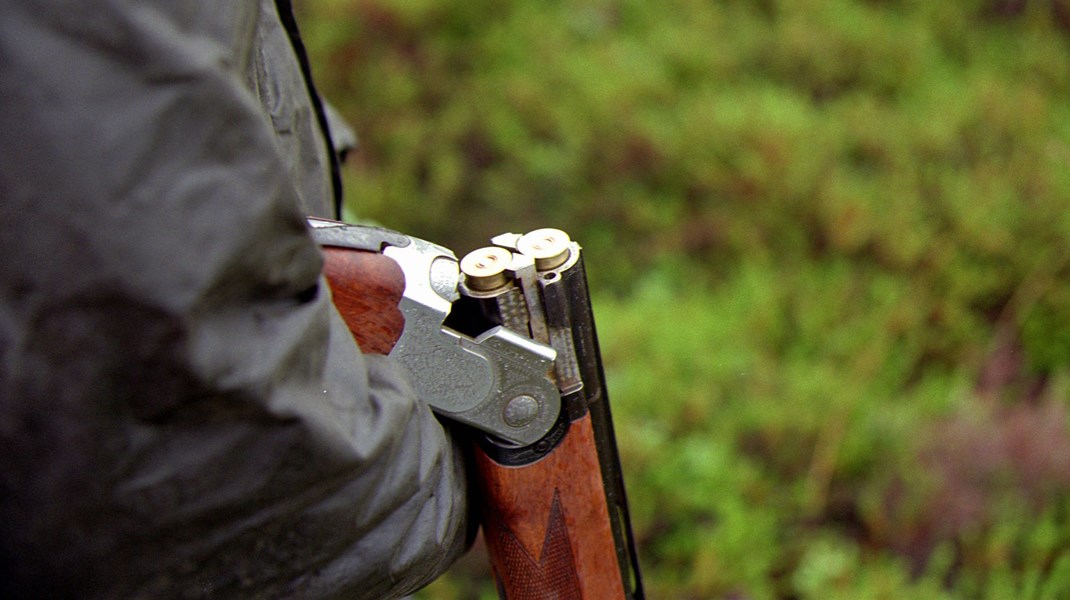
(547, 524)
(367, 288)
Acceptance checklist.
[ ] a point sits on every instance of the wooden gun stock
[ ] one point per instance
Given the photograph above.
(367, 288)
(548, 525)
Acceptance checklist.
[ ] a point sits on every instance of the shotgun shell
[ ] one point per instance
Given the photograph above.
(484, 269)
(549, 247)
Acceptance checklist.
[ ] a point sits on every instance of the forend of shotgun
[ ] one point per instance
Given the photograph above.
(504, 342)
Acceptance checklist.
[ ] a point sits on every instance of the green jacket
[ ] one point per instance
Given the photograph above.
(182, 411)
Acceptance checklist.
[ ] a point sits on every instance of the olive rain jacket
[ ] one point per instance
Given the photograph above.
(182, 411)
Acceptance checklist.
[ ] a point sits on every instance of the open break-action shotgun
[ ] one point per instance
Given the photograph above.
(504, 342)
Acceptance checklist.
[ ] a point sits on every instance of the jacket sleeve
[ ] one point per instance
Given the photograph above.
(182, 412)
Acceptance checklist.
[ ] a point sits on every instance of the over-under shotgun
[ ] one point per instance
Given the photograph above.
(504, 341)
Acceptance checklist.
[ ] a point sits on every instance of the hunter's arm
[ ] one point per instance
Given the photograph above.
(181, 409)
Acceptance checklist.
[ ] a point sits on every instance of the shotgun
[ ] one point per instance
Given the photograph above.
(503, 341)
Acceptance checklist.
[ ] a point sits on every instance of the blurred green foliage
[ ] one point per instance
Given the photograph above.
(829, 242)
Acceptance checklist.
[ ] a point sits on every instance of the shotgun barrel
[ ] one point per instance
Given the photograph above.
(555, 517)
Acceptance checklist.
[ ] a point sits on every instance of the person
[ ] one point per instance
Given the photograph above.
(182, 411)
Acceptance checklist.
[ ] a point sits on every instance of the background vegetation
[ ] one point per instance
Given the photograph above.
(829, 242)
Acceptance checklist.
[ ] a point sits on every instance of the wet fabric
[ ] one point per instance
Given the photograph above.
(182, 412)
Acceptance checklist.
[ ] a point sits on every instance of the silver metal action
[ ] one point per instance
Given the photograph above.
(499, 382)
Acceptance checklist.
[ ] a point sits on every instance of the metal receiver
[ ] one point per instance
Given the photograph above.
(496, 381)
